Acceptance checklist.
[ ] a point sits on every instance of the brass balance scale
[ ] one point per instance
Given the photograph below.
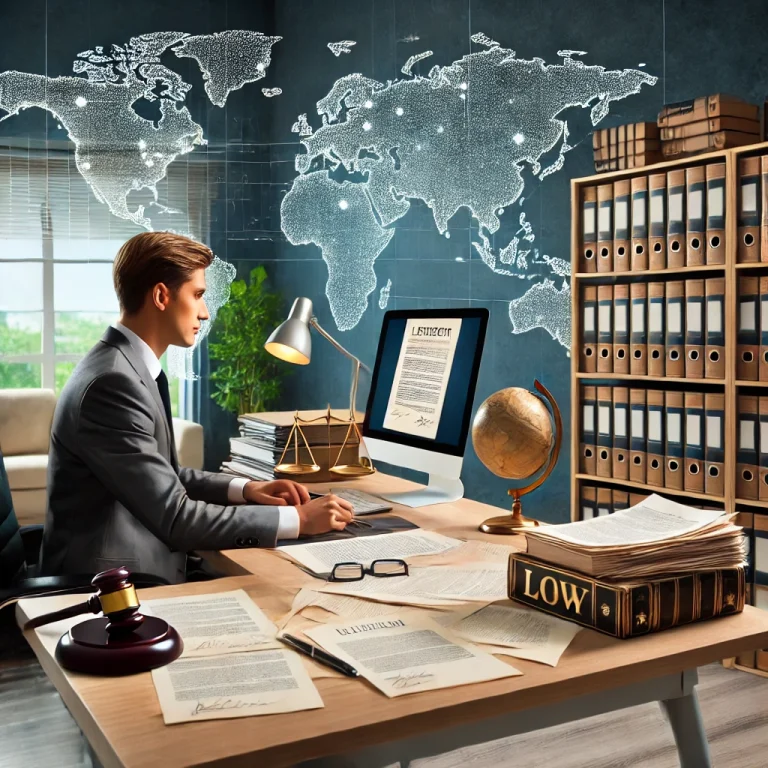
(297, 439)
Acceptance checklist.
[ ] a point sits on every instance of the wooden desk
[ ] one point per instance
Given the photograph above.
(121, 716)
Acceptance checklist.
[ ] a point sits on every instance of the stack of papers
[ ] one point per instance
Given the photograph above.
(654, 537)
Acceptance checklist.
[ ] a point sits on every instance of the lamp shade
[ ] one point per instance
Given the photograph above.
(291, 340)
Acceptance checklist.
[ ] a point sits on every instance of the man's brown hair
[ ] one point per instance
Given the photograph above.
(155, 257)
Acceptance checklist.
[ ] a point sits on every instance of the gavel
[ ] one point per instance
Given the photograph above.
(123, 641)
(115, 597)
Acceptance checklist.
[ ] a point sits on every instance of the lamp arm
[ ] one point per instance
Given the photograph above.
(313, 322)
(357, 364)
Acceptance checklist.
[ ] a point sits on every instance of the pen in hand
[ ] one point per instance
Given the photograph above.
(319, 655)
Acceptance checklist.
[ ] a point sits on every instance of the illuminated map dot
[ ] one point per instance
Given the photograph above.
(518, 138)
(368, 104)
(81, 101)
(440, 129)
(463, 86)
(399, 111)
(343, 204)
(447, 235)
(367, 126)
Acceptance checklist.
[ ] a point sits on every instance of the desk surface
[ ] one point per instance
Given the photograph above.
(121, 716)
(460, 519)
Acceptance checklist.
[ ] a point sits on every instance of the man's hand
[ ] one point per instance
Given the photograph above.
(328, 513)
(277, 493)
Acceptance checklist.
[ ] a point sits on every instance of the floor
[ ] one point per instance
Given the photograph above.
(37, 730)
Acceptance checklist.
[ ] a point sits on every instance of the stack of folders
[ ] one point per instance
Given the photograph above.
(650, 567)
(752, 449)
(264, 436)
(668, 439)
(753, 210)
(674, 328)
(706, 124)
(626, 146)
(597, 501)
(656, 221)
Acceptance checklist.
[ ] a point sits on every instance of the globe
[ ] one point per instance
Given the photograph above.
(512, 433)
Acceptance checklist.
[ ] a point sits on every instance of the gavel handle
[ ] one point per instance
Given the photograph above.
(92, 605)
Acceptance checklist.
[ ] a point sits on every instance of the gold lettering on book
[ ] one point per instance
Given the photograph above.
(572, 595)
(527, 592)
(573, 598)
(555, 592)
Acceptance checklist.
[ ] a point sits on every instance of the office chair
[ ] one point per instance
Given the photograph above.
(19, 553)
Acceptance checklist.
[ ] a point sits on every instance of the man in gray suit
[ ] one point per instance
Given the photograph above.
(117, 495)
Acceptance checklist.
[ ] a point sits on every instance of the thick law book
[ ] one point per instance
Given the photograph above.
(628, 609)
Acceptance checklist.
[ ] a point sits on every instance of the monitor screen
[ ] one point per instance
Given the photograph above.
(424, 380)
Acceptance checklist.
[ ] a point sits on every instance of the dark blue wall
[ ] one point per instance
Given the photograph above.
(694, 48)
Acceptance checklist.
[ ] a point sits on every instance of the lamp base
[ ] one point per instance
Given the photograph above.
(90, 649)
(508, 524)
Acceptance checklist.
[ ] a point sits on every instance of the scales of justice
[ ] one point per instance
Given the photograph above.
(513, 436)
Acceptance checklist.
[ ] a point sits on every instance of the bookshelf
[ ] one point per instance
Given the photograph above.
(729, 384)
(754, 512)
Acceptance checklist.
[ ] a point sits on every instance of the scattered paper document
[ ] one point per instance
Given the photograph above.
(234, 685)
(536, 635)
(401, 655)
(434, 585)
(225, 622)
(321, 556)
(653, 519)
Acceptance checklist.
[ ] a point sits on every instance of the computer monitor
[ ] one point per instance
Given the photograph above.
(422, 389)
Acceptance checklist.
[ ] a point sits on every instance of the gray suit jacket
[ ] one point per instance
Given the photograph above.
(116, 495)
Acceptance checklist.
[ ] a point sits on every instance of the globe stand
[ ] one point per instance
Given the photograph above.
(514, 523)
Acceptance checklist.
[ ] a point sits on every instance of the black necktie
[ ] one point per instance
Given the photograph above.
(165, 396)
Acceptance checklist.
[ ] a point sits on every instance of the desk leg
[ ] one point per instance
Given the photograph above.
(688, 728)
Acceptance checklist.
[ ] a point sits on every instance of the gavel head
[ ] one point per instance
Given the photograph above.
(118, 599)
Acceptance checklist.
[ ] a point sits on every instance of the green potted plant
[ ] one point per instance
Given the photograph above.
(247, 378)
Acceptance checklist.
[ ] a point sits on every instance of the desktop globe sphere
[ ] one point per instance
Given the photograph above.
(512, 433)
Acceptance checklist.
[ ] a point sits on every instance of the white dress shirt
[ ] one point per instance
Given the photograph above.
(288, 524)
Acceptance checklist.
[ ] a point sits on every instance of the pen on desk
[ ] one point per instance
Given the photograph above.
(319, 655)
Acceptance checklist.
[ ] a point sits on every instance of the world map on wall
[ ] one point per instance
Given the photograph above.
(116, 149)
(460, 137)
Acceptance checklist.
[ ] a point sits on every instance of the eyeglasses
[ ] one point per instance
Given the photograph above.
(379, 568)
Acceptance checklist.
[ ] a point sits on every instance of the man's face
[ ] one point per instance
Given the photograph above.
(186, 309)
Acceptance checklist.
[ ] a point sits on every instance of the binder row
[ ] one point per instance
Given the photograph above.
(674, 328)
(667, 439)
(596, 501)
(658, 221)
(752, 339)
(753, 210)
(752, 451)
(756, 531)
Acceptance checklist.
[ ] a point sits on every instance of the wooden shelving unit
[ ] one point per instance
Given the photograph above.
(730, 270)
(730, 384)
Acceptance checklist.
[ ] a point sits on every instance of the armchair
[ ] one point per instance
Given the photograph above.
(26, 416)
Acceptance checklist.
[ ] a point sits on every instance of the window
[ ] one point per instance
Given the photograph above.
(57, 245)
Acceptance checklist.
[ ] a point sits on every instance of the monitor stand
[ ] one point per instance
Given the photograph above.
(440, 490)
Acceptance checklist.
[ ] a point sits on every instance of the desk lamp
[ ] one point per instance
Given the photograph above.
(291, 341)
